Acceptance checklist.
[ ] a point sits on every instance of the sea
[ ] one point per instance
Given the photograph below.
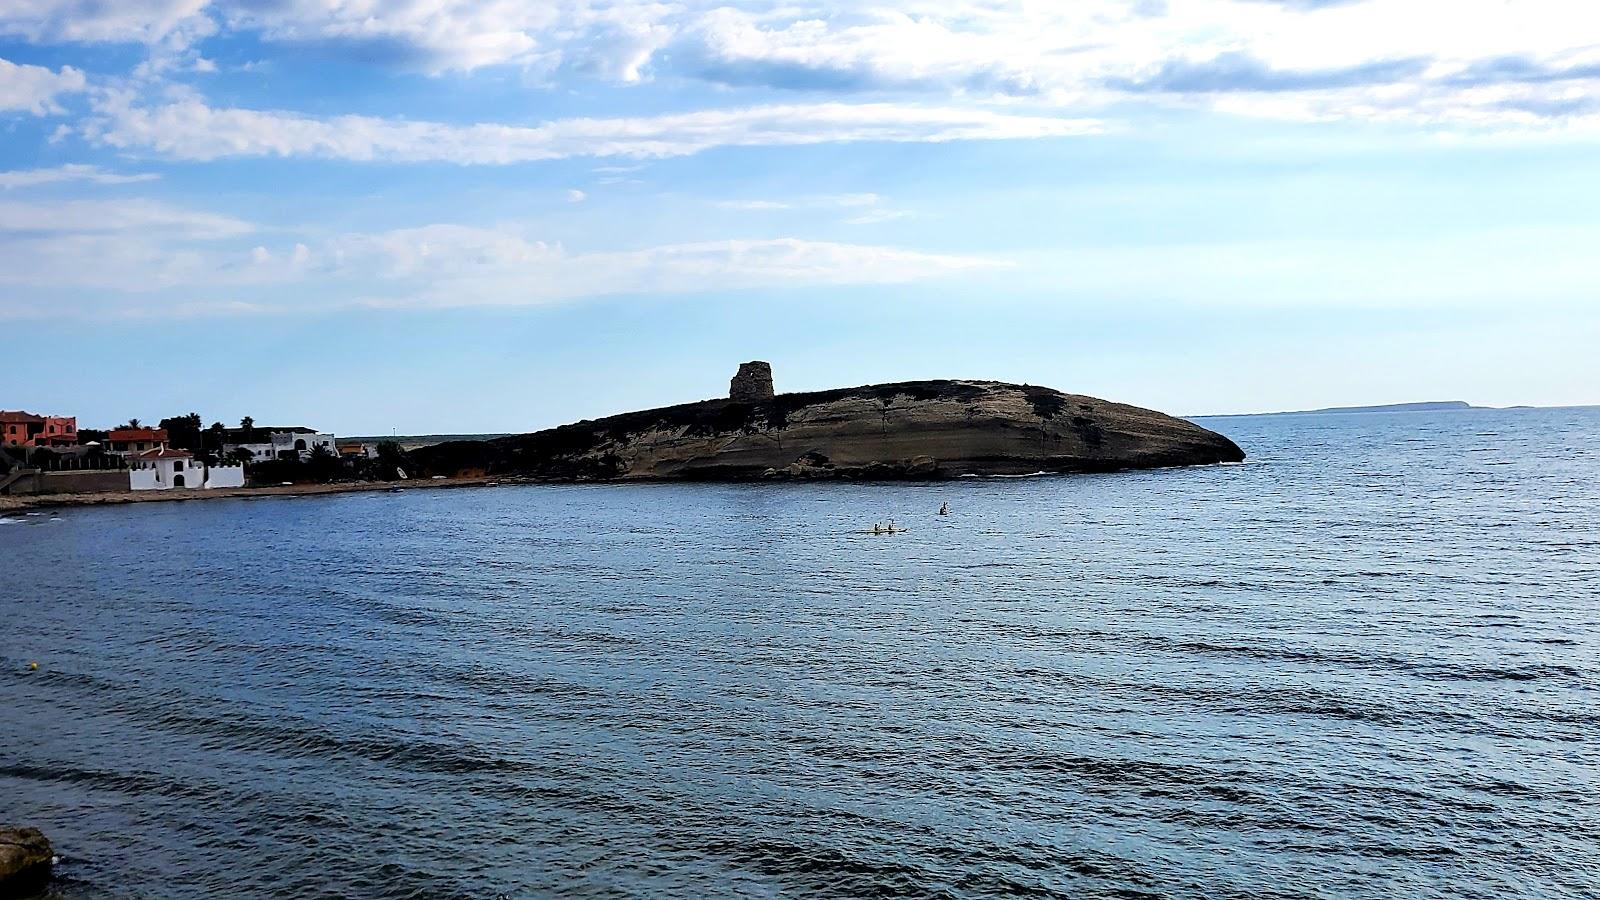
(1364, 663)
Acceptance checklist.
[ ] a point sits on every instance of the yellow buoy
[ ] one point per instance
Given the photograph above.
(33, 667)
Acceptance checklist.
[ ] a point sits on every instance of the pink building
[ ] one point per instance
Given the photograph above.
(24, 429)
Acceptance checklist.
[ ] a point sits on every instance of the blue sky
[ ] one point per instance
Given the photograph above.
(485, 215)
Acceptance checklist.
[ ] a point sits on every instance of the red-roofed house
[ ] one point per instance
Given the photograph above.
(24, 429)
(131, 441)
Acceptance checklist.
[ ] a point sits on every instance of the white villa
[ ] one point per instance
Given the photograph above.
(277, 443)
(164, 469)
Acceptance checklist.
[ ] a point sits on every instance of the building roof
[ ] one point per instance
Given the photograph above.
(137, 434)
(261, 434)
(165, 453)
(17, 417)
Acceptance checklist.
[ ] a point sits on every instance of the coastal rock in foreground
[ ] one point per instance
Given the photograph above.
(25, 858)
(918, 429)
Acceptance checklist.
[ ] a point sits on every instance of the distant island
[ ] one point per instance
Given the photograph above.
(907, 430)
(413, 441)
(1431, 406)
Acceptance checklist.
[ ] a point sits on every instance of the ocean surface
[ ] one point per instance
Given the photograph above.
(1362, 664)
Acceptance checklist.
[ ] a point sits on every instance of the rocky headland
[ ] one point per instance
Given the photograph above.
(917, 429)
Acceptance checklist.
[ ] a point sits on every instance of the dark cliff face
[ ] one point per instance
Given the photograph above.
(921, 429)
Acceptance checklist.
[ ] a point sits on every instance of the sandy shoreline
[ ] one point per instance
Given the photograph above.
(115, 498)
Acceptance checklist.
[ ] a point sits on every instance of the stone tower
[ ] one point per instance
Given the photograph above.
(753, 384)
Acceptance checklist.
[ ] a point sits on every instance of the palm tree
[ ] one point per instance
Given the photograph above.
(133, 423)
(247, 423)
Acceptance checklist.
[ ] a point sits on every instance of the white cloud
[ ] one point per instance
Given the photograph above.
(35, 89)
(852, 200)
(145, 217)
(1404, 58)
(128, 269)
(754, 205)
(576, 196)
(869, 208)
(189, 129)
(611, 39)
(876, 216)
(1436, 62)
(823, 201)
(99, 21)
(139, 272)
(435, 35)
(23, 178)
(1545, 108)
(445, 266)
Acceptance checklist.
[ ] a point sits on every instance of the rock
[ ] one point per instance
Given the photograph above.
(25, 858)
(915, 430)
(752, 383)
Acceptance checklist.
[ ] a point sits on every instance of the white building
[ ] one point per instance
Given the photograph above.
(277, 443)
(165, 470)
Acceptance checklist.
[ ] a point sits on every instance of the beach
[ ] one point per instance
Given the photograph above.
(116, 498)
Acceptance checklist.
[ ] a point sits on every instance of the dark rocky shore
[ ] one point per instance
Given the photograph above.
(25, 861)
(908, 430)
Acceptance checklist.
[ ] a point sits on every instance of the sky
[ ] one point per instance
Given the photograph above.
(455, 216)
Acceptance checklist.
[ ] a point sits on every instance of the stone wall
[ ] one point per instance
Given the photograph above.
(83, 482)
(752, 384)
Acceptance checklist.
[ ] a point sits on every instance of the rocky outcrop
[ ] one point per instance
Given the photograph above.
(923, 430)
(25, 859)
(752, 383)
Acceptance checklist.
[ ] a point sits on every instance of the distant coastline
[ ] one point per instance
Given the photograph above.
(1426, 406)
(410, 442)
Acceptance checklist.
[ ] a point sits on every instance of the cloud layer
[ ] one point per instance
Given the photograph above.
(192, 130)
(1463, 62)
(676, 78)
(74, 172)
(154, 259)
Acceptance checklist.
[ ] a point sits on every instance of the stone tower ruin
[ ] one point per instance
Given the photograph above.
(753, 384)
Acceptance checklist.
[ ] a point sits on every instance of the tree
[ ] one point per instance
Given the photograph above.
(241, 455)
(134, 423)
(212, 440)
(392, 461)
(247, 423)
(183, 432)
(324, 464)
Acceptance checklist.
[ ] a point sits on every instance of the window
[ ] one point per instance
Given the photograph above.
(177, 465)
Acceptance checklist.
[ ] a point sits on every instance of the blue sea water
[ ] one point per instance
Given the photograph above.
(1362, 664)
